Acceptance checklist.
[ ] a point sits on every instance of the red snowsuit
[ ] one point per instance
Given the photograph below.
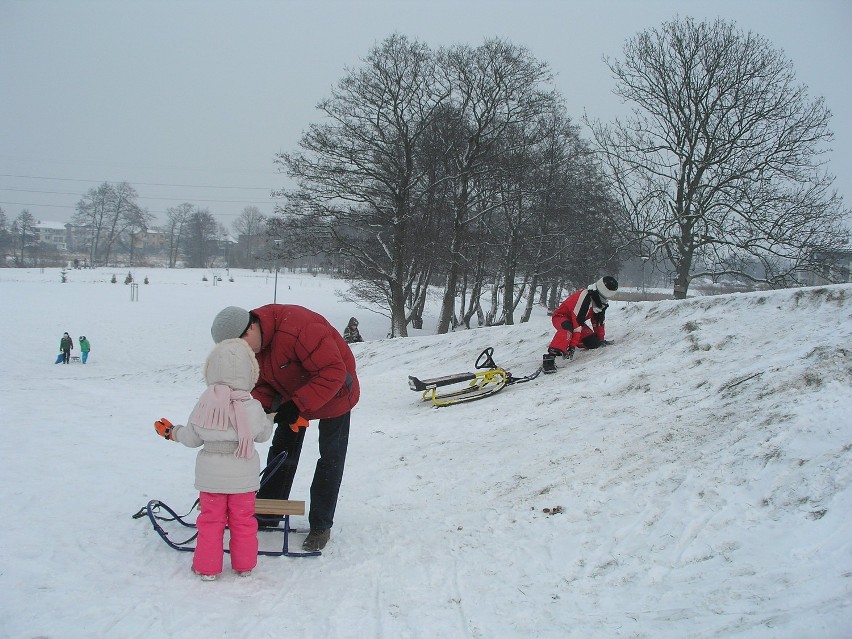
(584, 321)
(305, 359)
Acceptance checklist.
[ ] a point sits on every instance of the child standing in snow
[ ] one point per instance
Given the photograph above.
(85, 347)
(65, 346)
(225, 421)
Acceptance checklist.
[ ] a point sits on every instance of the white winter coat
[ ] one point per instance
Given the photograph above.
(217, 469)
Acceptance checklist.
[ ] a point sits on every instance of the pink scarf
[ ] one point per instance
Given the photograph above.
(220, 404)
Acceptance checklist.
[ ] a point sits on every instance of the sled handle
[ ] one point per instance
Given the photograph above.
(485, 359)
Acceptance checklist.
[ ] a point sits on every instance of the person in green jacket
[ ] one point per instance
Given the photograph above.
(65, 346)
(85, 347)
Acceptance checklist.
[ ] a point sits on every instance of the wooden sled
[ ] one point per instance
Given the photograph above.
(162, 517)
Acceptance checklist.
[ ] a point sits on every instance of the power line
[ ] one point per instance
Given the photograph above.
(185, 186)
(55, 206)
(145, 197)
(72, 208)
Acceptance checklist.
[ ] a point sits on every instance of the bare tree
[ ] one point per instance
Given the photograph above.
(136, 221)
(23, 229)
(199, 240)
(125, 214)
(5, 235)
(360, 184)
(93, 212)
(721, 159)
(496, 87)
(109, 210)
(177, 218)
(251, 224)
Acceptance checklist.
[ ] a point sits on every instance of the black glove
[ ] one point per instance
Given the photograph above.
(567, 325)
(287, 413)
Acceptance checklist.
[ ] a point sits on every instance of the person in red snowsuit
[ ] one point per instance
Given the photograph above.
(579, 320)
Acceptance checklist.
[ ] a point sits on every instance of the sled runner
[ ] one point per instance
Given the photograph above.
(163, 516)
(489, 380)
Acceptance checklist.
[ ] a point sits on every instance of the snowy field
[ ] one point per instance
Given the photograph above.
(691, 481)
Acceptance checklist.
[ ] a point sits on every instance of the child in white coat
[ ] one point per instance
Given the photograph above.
(225, 421)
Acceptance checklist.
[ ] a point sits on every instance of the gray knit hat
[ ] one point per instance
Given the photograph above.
(231, 322)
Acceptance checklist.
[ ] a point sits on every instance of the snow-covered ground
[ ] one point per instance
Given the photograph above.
(691, 481)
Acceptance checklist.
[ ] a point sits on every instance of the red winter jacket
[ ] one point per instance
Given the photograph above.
(302, 357)
(577, 310)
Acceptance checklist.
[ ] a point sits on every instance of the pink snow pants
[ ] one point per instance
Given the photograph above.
(237, 513)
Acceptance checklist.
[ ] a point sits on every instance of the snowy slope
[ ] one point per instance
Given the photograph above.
(699, 470)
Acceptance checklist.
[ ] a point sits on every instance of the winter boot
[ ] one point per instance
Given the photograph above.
(204, 577)
(316, 540)
(548, 363)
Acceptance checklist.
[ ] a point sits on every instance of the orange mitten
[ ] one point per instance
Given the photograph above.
(164, 427)
(300, 422)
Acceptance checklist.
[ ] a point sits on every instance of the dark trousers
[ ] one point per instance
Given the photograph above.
(333, 442)
(66, 357)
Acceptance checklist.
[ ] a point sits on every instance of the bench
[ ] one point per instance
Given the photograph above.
(283, 508)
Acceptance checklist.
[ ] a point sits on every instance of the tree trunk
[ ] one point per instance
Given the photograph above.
(449, 301)
(525, 317)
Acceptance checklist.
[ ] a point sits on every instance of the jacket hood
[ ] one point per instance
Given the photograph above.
(233, 363)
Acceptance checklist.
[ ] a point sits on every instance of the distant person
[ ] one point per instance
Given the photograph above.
(351, 333)
(580, 321)
(307, 370)
(65, 346)
(226, 420)
(85, 347)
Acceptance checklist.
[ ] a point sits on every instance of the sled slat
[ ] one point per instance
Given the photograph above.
(425, 384)
(279, 507)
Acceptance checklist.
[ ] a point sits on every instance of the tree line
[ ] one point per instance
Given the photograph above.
(192, 233)
(108, 218)
(459, 167)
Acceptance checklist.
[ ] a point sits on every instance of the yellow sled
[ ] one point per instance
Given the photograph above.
(480, 384)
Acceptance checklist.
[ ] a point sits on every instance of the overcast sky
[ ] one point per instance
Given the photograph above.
(190, 101)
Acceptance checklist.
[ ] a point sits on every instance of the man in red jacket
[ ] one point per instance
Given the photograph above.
(307, 370)
(579, 320)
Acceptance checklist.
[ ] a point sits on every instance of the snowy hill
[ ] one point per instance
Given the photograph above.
(692, 480)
